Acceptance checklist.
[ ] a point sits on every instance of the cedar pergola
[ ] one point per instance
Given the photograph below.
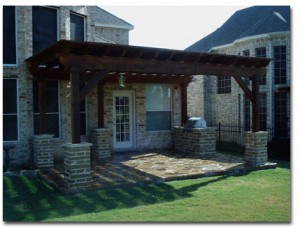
(100, 63)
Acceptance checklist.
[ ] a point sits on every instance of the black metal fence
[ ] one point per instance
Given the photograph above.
(278, 138)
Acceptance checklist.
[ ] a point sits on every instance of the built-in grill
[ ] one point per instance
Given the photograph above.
(195, 122)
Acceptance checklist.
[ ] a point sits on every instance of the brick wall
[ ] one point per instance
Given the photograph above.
(256, 153)
(21, 152)
(203, 99)
(101, 138)
(200, 141)
(77, 166)
(43, 151)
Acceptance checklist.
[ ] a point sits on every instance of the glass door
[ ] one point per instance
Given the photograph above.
(123, 120)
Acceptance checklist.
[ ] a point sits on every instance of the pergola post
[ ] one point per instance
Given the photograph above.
(100, 99)
(42, 106)
(255, 104)
(75, 102)
(184, 116)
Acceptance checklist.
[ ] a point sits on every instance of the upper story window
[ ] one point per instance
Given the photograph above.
(9, 35)
(76, 27)
(224, 84)
(44, 27)
(10, 110)
(158, 107)
(280, 64)
(261, 53)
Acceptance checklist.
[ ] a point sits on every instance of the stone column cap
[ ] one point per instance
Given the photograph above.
(43, 136)
(77, 145)
(257, 133)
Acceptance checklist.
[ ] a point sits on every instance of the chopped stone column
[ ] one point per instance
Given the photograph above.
(43, 150)
(256, 151)
(77, 165)
(102, 143)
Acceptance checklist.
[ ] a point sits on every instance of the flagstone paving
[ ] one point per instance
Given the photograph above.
(139, 168)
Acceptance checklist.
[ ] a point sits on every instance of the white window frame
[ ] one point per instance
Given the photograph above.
(171, 108)
(18, 113)
(16, 37)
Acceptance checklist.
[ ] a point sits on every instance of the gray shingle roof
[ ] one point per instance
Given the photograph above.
(247, 22)
(104, 18)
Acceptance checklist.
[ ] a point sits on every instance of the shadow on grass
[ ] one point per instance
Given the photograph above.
(27, 199)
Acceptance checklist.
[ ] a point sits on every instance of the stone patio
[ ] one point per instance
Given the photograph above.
(155, 166)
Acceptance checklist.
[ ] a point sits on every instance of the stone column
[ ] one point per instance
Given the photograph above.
(43, 150)
(256, 151)
(77, 165)
(102, 143)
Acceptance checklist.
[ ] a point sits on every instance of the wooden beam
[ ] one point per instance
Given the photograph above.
(244, 87)
(92, 83)
(255, 104)
(184, 116)
(42, 106)
(158, 67)
(100, 98)
(75, 103)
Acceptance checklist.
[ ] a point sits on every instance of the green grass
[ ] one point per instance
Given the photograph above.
(261, 196)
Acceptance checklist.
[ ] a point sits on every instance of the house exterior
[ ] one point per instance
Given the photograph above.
(261, 31)
(27, 30)
(73, 89)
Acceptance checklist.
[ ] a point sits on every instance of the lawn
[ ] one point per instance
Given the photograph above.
(260, 196)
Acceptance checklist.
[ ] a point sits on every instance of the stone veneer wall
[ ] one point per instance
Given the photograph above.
(43, 151)
(101, 139)
(77, 166)
(200, 141)
(256, 151)
(21, 152)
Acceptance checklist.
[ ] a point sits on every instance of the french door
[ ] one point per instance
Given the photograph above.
(123, 130)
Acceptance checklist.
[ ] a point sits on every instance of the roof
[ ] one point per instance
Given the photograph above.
(247, 22)
(106, 19)
(137, 62)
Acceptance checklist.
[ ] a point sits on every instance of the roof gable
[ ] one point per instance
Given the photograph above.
(247, 22)
(106, 19)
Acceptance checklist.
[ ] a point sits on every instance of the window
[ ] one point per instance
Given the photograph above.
(263, 111)
(52, 107)
(44, 27)
(246, 53)
(9, 35)
(158, 107)
(224, 84)
(261, 53)
(10, 109)
(82, 114)
(76, 27)
(281, 119)
(247, 116)
(280, 64)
